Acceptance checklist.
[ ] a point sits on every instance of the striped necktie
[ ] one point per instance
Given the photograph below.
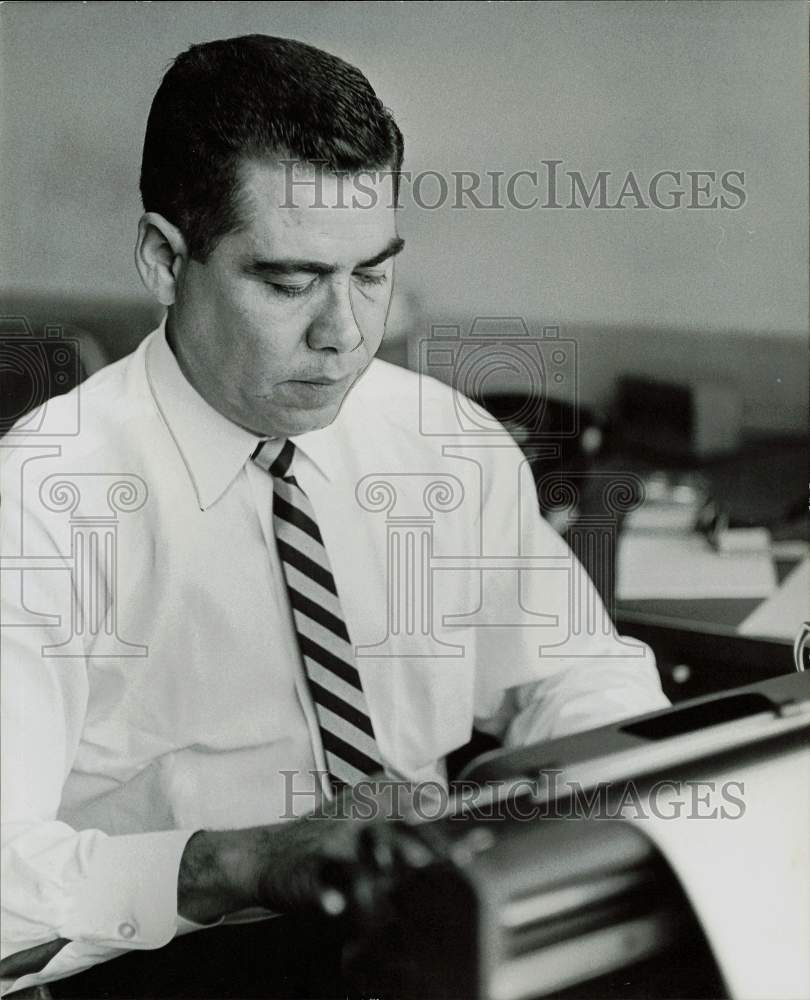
(340, 703)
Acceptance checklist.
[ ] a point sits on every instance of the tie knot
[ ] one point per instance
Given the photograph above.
(277, 464)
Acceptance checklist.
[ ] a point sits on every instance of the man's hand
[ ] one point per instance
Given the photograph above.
(279, 867)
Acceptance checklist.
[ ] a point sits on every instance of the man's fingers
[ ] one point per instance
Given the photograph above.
(376, 847)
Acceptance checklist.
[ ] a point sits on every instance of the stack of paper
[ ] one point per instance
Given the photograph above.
(781, 616)
(653, 565)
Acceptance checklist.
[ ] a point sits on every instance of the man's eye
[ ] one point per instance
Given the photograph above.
(290, 291)
(370, 278)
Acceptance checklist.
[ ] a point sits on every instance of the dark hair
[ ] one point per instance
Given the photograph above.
(254, 96)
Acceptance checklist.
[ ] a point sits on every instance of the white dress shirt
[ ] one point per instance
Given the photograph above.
(182, 705)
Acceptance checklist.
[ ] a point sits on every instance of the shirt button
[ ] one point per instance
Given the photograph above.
(126, 931)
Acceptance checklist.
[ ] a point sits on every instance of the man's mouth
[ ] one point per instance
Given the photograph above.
(325, 380)
(316, 386)
(321, 387)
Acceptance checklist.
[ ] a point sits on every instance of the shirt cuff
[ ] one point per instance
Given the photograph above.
(127, 895)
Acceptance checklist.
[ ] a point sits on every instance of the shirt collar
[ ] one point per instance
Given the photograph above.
(213, 448)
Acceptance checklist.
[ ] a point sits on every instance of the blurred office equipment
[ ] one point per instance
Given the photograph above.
(672, 502)
(671, 420)
(801, 647)
(594, 884)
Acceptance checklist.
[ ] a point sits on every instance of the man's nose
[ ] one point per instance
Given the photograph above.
(335, 327)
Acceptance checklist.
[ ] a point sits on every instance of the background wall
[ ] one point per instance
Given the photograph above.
(601, 86)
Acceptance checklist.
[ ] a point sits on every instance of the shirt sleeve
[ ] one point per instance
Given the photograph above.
(564, 669)
(104, 894)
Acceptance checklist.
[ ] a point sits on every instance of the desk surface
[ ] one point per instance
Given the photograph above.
(720, 614)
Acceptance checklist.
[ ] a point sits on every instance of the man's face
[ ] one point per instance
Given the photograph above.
(286, 314)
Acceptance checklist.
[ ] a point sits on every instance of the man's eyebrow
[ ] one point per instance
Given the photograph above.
(394, 247)
(294, 265)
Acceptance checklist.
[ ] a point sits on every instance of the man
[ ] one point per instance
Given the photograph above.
(230, 660)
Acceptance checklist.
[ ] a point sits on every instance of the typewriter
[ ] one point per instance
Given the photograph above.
(518, 894)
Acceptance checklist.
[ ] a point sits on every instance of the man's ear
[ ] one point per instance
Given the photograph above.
(160, 256)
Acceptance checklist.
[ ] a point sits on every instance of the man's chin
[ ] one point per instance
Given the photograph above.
(292, 424)
(304, 427)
